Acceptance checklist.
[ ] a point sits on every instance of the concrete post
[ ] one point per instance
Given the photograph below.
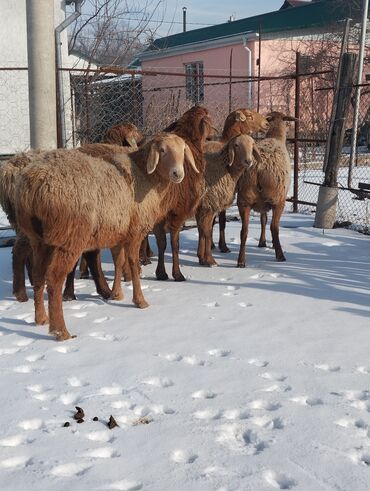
(41, 73)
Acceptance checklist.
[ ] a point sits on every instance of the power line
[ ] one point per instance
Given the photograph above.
(143, 19)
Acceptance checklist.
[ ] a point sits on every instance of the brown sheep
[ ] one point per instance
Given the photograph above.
(194, 126)
(223, 171)
(69, 202)
(238, 122)
(124, 134)
(265, 184)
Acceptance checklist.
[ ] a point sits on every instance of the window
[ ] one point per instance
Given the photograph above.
(194, 82)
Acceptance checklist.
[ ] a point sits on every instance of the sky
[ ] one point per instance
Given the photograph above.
(208, 12)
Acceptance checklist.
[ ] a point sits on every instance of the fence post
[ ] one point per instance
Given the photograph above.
(296, 130)
(328, 193)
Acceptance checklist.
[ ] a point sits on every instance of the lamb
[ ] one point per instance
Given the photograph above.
(264, 186)
(124, 134)
(238, 122)
(69, 202)
(194, 127)
(223, 171)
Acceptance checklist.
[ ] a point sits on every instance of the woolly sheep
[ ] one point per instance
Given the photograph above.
(238, 122)
(264, 186)
(194, 126)
(124, 134)
(223, 171)
(84, 203)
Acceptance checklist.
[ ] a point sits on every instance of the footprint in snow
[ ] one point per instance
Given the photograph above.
(267, 422)
(266, 405)
(307, 401)
(258, 363)
(12, 462)
(277, 377)
(13, 441)
(122, 404)
(9, 351)
(358, 424)
(363, 370)
(327, 368)
(69, 398)
(219, 353)
(162, 382)
(102, 336)
(203, 394)
(65, 349)
(257, 276)
(193, 360)
(234, 414)
(183, 456)
(239, 438)
(207, 414)
(279, 480)
(23, 342)
(80, 315)
(102, 453)
(211, 304)
(113, 390)
(76, 382)
(244, 304)
(125, 486)
(100, 436)
(70, 469)
(276, 388)
(99, 320)
(35, 357)
(30, 424)
(23, 369)
(172, 356)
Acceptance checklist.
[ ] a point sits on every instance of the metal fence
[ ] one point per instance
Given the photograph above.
(96, 100)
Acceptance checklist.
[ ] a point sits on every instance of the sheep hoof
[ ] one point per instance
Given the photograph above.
(142, 304)
(281, 259)
(162, 276)
(105, 294)
(262, 244)
(179, 277)
(240, 265)
(68, 297)
(224, 249)
(116, 296)
(61, 335)
(41, 320)
(21, 296)
(144, 261)
(84, 276)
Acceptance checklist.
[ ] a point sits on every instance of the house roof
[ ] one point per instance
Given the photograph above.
(314, 14)
(293, 3)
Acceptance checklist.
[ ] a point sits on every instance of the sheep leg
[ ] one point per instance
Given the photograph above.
(84, 270)
(69, 289)
(277, 211)
(263, 220)
(201, 252)
(160, 235)
(61, 263)
(118, 254)
(133, 259)
(126, 270)
(41, 259)
(244, 215)
(175, 241)
(209, 259)
(93, 259)
(222, 225)
(29, 265)
(21, 251)
(144, 254)
(213, 224)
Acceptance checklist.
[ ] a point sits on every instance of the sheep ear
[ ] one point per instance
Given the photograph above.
(256, 154)
(153, 159)
(269, 117)
(205, 128)
(290, 118)
(231, 152)
(189, 158)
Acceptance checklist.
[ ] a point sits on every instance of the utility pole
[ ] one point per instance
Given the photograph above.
(41, 73)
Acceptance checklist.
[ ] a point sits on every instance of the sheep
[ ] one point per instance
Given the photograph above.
(238, 122)
(194, 126)
(69, 202)
(223, 171)
(124, 134)
(264, 186)
(22, 252)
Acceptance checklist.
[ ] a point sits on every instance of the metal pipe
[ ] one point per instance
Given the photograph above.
(297, 115)
(41, 73)
(60, 90)
(249, 70)
(358, 92)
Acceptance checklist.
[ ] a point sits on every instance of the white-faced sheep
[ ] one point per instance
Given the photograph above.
(264, 186)
(223, 170)
(194, 127)
(242, 121)
(83, 203)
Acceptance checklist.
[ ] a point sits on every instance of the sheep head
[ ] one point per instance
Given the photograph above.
(195, 125)
(244, 121)
(241, 150)
(124, 134)
(168, 153)
(278, 126)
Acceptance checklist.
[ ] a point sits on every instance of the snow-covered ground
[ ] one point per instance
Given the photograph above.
(248, 379)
